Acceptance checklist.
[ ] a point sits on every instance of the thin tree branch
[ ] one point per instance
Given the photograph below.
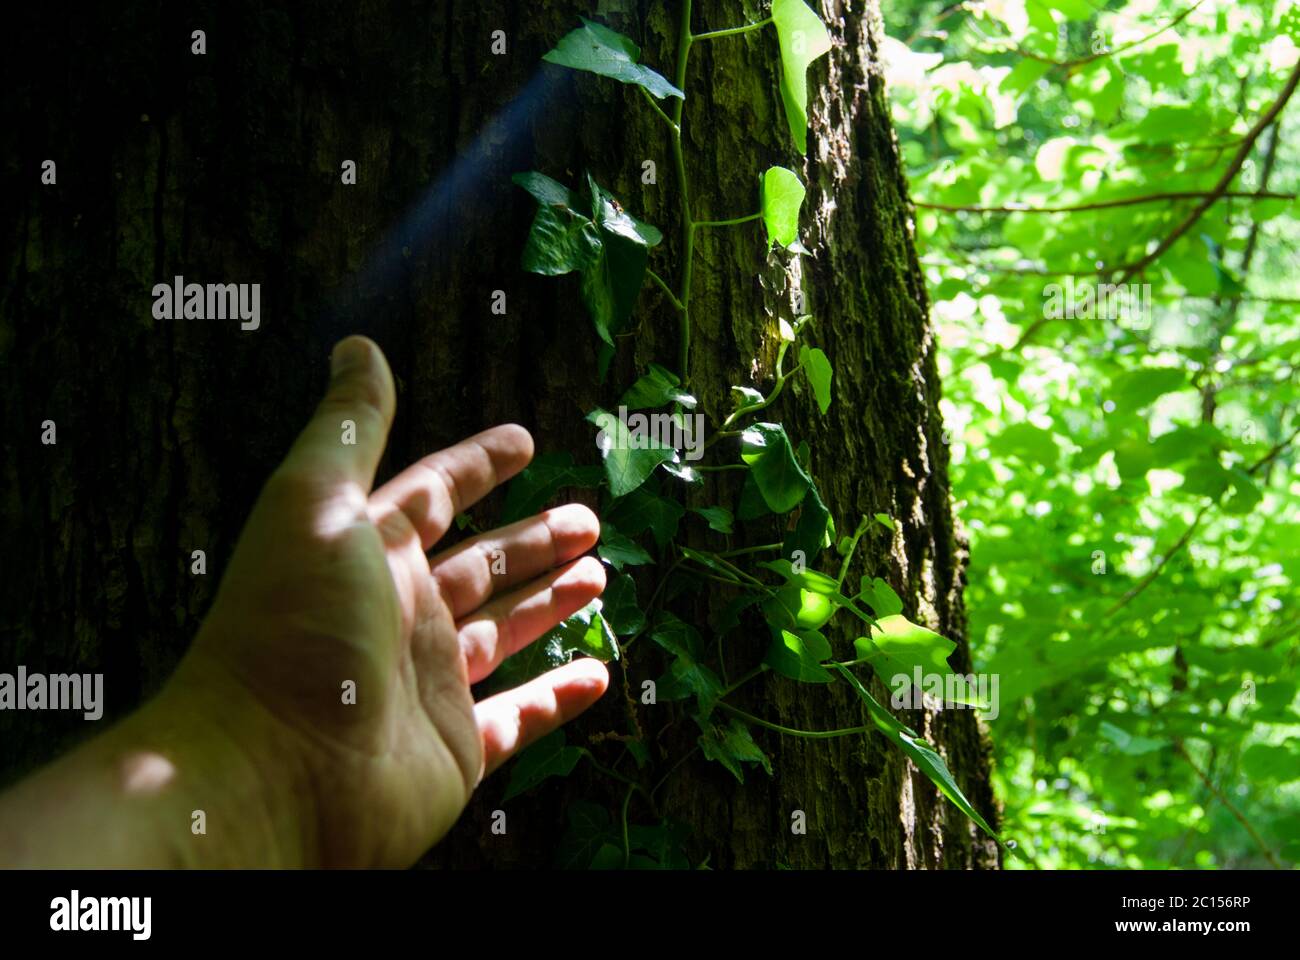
(1274, 452)
(1224, 182)
(1110, 204)
(1219, 795)
(1080, 61)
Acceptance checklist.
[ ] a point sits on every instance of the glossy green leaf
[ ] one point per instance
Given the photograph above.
(619, 606)
(818, 371)
(802, 38)
(730, 744)
(781, 199)
(629, 457)
(541, 481)
(921, 753)
(598, 49)
(798, 655)
(657, 387)
(548, 757)
(780, 479)
(618, 550)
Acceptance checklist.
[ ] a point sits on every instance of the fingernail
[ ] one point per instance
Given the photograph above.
(347, 353)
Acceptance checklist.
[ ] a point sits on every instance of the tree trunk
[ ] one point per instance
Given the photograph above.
(226, 167)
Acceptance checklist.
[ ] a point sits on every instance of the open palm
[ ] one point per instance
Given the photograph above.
(358, 651)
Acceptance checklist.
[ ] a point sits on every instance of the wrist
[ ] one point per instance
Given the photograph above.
(241, 777)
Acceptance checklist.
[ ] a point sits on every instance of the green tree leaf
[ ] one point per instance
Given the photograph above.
(657, 387)
(598, 49)
(798, 655)
(780, 479)
(818, 371)
(921, 753)
(802, 38)
(539, 482)
(629, 457)
(1129, 744)
(560, 242)
(880, 597)
(548, 757)
(619, 606)
(781, 198)
(644, 509)
(620, 551)
(731, 745)
(719, 518)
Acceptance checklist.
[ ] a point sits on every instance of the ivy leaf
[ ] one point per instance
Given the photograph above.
(589, 828)
(687, 675)
(798, 655)
(548, 757)
(598, 49)
(719, 518)
(751, 505)
(644, 509)
(809, 534)
(731, 746)
(594, 236)
(810, 580)
(541, 480)
(780, 199)
(548, 192)
(587, 632)
(658, 387)
(802, 38)
(620, 608)
(629, 457)
(926, 759)
(880, 597)
(818, 371)
(584, 632)
(560, 242)
(611, 216)
(620, 551)
(780, 479)
(898, 648)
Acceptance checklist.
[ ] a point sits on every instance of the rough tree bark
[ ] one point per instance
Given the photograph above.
(225, 167)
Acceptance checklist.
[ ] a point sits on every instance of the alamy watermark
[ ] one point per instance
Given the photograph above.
(939, 691)
(1126, 303)
(179, 300)
(57, 691)
(648, 431)
(75, 913)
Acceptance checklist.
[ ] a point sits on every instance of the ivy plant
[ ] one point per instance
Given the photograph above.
(583, 229)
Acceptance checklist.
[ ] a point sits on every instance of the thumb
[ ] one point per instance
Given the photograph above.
(348, 432)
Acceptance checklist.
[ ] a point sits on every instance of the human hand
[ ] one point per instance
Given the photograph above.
(330, 585)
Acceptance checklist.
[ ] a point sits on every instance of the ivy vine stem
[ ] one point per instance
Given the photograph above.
(658, 109)
(853, 546)
(732, 31)
(735, 221)
(688, 225)
(791, 731)
(668, 291)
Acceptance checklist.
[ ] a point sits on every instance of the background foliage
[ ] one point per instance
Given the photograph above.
(1129, 484)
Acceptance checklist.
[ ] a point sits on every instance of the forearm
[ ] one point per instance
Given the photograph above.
(184, 782)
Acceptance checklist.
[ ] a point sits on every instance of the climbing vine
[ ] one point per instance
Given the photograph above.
(644, 473)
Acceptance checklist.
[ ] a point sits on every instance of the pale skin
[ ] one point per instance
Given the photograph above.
(332, 584)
